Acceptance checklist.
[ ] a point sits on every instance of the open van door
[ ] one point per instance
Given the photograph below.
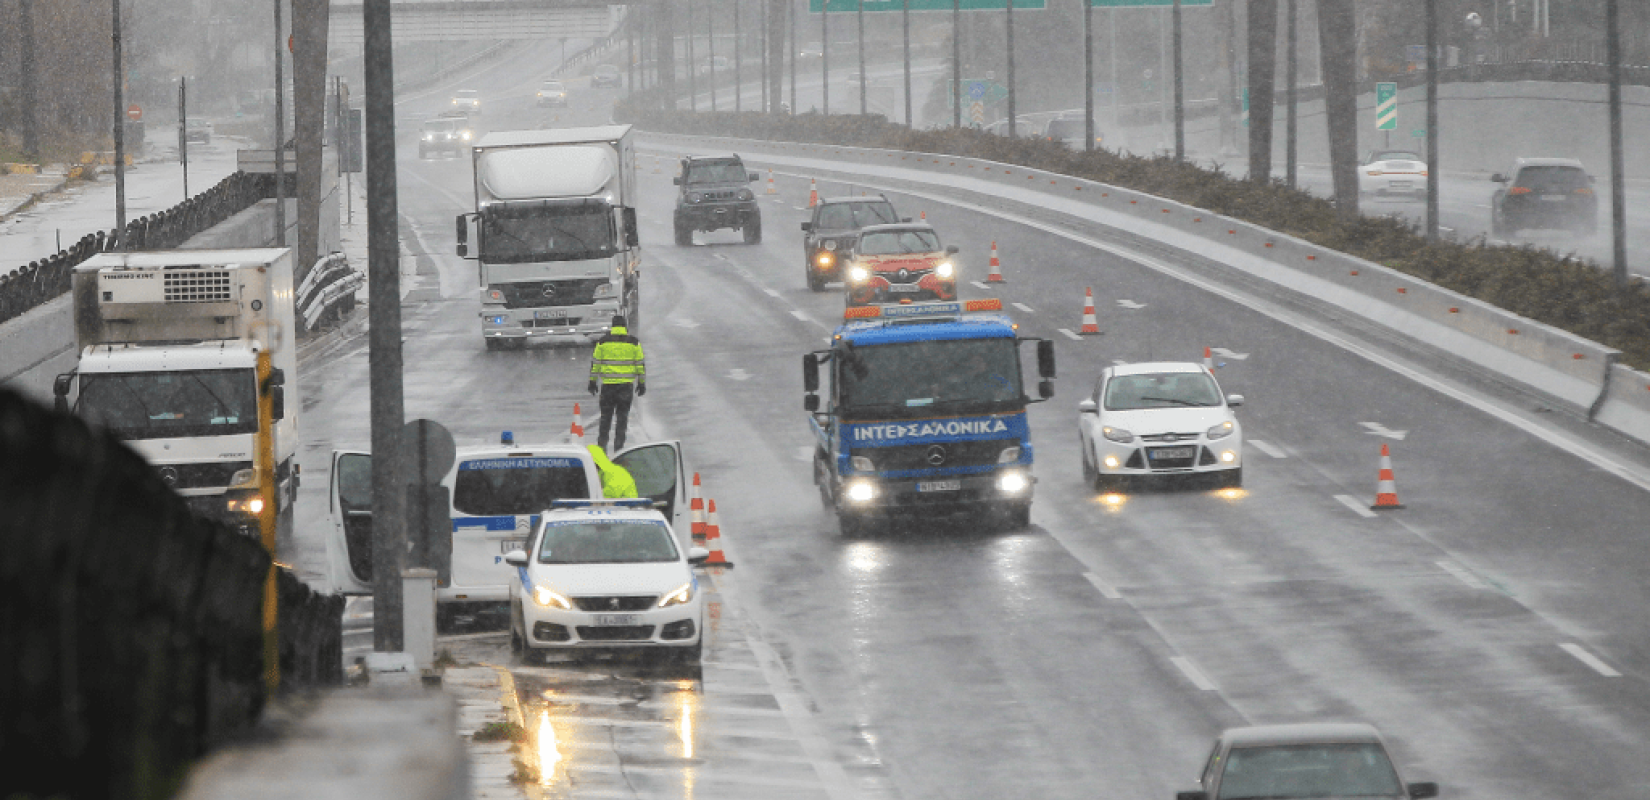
(660, 474)
(349, 510)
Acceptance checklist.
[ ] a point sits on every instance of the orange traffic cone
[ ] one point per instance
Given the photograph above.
(1208, 359)
(713, 541)
(1386, 489)
(923, 215)
(813, 193)
(1091, 325)
(575, 432)
(696, 510)
(771, 188)
(996, 275)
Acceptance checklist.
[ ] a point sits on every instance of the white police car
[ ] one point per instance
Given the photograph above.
(605, 574)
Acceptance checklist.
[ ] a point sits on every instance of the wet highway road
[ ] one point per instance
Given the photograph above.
(1492, 629)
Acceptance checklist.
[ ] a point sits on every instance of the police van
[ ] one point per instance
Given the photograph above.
(497, 493)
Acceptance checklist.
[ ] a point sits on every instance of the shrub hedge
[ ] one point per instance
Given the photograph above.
(1567, 293)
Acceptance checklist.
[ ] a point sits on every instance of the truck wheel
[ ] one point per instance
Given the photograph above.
(753, 232)
(684, 235)
(822, 479)
(494, 345)
(815, 283)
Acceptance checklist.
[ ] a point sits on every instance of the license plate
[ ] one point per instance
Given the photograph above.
(904, 287)
(512, 544)
(1399, 185)
(553, 315)
(1554, 198)
(939, 486)
(617, 619)
(1173, 452)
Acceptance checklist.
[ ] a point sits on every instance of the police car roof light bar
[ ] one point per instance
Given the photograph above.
(587, 502)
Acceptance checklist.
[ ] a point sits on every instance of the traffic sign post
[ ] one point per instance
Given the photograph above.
(1386, 106)
(134, 112)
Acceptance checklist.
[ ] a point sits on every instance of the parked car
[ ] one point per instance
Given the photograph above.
(1393, 172)
(1159, 420)
(810, 50)
(1550, 193)
(828, 237)
(903, 261)
(1070, 131)
(552, 94)
(1314, 760)
(606, 75)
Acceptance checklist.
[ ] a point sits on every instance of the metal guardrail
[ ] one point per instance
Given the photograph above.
(40, 281)
(322, 291)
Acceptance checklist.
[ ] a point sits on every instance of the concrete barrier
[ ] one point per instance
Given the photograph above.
(1567, 370)
(1626, 406)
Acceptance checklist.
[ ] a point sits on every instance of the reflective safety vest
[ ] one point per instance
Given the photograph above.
(618, 359)
(617, 483)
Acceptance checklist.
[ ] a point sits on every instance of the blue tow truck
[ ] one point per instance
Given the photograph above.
(924, 414)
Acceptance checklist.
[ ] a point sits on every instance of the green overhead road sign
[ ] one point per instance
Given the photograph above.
(1386, 106)
(1147, 3)
(853, 6)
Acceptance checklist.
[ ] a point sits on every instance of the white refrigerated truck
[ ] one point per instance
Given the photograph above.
(168, 345)
(555, 233)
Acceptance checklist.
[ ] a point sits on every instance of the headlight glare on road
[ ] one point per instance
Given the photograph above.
(1220, 431)
(1009, 455)
(945, 270)
(861, 491)
(858, 274)
(1012, 482)
(677, 596)
(549, 598)
(1116, 434)
(861, 464)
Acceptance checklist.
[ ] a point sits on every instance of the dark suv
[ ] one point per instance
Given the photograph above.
(1544, 193)
(836, 223)
(448, 133)
(714, 195)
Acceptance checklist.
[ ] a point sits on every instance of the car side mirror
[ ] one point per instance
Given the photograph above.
(1234, 400)
(677, 181)
(807, 227)
(698, 555)
(755, 177)
(1498, 178)
(516, 558)
(1421, 791)
(952, 250)
(1088, 406)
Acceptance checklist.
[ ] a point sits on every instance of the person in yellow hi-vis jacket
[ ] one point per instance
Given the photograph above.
(619, 373)
(617, 483)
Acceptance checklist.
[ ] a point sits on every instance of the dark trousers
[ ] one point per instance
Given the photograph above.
(615, 397)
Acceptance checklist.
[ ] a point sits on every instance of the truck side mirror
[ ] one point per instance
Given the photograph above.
(631, 236)
(277, 377)
(807, 226)
(810, 403)
(676, 180)
(60, 392)
(1045, 388)
(810, 373)
(278, 401)
(1045, 359)
(463, 234)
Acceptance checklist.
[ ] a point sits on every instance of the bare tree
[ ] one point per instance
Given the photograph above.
(1263, 45)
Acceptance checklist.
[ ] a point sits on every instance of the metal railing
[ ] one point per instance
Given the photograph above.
(329, 287)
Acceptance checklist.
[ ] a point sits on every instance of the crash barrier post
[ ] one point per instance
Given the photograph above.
(132, 628)
(328, 291)
(27, 287)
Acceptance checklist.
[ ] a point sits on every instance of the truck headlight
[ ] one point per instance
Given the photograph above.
(547, 598)
(465, 136)
(429, 137)
(678, 596)
(1009, 455)
(861, 491)
(858, 274)
(861, 464)
(1012, 482)
(945, 270)
(1116, 434)
(243, 477)
(492, 296)
(604, 290)
(1220, 431)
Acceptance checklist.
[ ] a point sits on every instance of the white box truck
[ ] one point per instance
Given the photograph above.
(168, 346)
(555, 233)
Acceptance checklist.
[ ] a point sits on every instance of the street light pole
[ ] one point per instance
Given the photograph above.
(1618, 183)
(1008, 25)
(710, 50)
(905, 26)
(859, 13)
(1088, 75)
(1433, 174)
(956, 63)
(825, 56)
(1291, 144)
(280, 135)
(120, 136)
(1179, 92)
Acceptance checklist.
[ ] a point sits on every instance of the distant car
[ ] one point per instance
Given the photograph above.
(1550, 193)
(197, 131)
(467, 100)
(1323, 760)
(605, 575)
(1159, 420)
(606, 75)
(552, 94)
(810, 50)
(1023, 128)
(715, 64)
(828, 237)
(1393, 172)
(1070, 131)
(449, 135)
(903, 261)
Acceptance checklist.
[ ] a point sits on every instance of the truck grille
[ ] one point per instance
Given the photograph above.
(949, 454)
(542, 294)
(600, 604)
(200, 476)
(197, 286)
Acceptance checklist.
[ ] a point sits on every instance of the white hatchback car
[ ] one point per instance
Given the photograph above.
(1159, 419)
(605, 574)
(1389, 173)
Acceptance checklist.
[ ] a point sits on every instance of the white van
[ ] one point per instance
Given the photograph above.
(497, 493)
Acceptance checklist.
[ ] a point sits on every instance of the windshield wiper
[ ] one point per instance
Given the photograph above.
(1176, 401)
(222, 406)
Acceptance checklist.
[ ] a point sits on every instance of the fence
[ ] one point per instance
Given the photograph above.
(40, 281)
(132, 630)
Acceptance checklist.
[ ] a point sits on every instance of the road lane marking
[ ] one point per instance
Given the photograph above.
(1072, 336)
(981, 285)
(1461, 574)
(1590, 660)
(1267, 448)
(1193, 674)
(1024, 307)
(1106, 591)
(1352, 502)
(1130, 304)
(771, 292)
(801, 316)
(1377, 429)
(1224, 353)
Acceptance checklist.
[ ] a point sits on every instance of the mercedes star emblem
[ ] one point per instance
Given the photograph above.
(169, 476)
(549, 291)
(935, 456)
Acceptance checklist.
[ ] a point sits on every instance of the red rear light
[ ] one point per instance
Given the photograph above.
(1519, 190)
(1584, 191)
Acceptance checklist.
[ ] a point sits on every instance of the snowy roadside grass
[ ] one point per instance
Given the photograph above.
(1568, 293)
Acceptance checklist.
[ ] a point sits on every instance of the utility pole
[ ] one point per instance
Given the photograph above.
(859, 13)
(790, 53)
(1262, 25)
(905, 27)
(1088, 75)
(1179, 92)
(1292, 143)
(280, 134)
(1338, 51)
(389, 518)
(738, 68)
(956, 63)
(1008, 25)
(183, 131)
(710, 50)
(120, 136)
(1618, 182)
(692, 68)
(30, 79)
(1433, 173)
(825, 56)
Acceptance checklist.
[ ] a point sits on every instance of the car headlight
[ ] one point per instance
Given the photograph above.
(746, 194)
(429, 137)
(694, 197)
(861, 464)
(1116, 434)
(829, 244)
(1009, 455)
(604, 290)
(465, 136)
(455, 101)
(677, 596)
(1012, 482)
(861, 491)
(858, 274)
(243, 477)
(1220, 431)
(826, 259)
(547, 598)
(945, 269)
(541, 94)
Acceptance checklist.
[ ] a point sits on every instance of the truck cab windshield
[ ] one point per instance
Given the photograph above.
(154, 405)
(918, 378)
(546, 234)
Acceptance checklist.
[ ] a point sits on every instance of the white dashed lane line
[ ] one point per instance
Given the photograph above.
(1463, 575)
(801, 316)
(1193, 674)
(1106, 591)
(1024, 307)
(1072, 336)
(771, 292)
(981, 285)
(1266, 448)
(1352, 502)
(1590, 660)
